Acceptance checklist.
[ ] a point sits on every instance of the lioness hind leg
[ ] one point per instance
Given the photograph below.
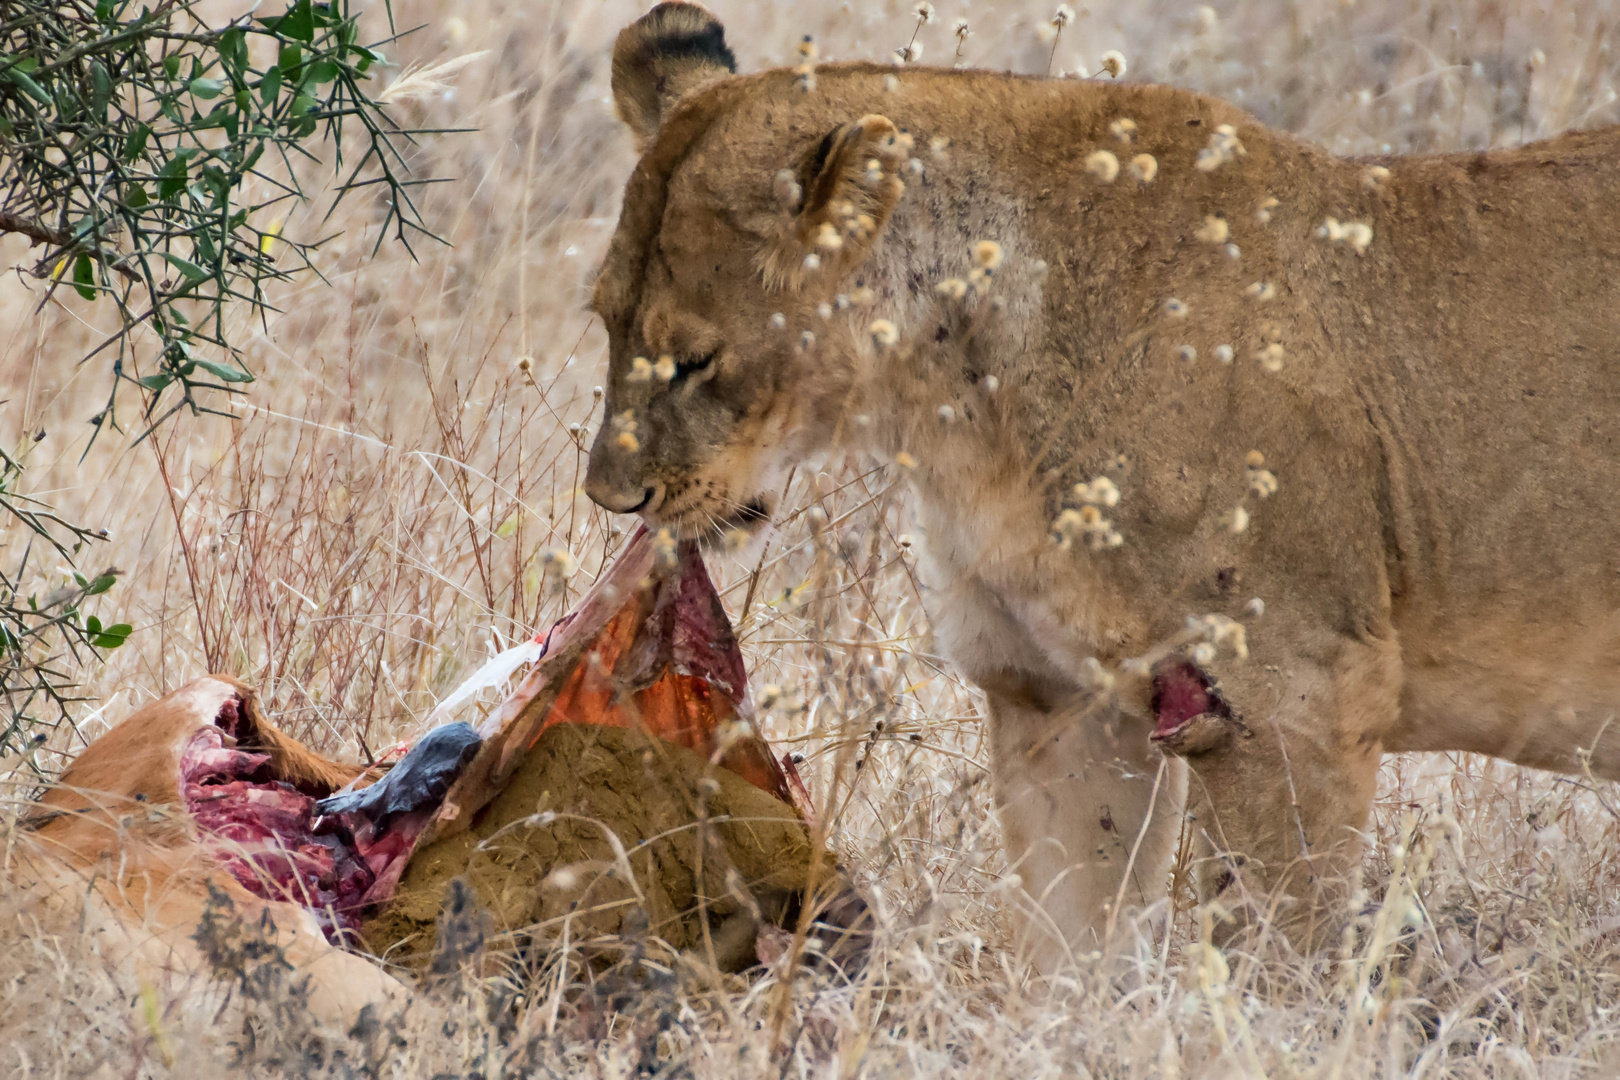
(1280, 800)
(1074, 785)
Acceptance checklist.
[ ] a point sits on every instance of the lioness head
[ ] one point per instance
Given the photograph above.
(737, 228)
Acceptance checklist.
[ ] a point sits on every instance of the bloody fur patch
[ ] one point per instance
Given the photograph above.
(1190, 713)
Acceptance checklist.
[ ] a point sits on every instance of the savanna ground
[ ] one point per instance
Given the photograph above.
(377, 520)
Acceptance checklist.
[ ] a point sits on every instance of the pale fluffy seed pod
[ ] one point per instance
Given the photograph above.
(1214, 230)
(986, 254)
(1271, 357)
(1261, 291)
(1103, 165)
(1143, 168)
(1123, 129)
(1224, 353)
(640, 370)
(952, 288)
(1113, 62)
(1176, 309)
(884, 332)
(664, 369)
(787, 191)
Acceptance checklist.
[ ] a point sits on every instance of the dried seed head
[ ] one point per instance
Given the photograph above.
(1094, 676)
(1224, 353)
(1255, 607)
(924, 12)
(884, 333)
(1113, 62)
(1103, 165)
(1100, 490)
(1263, 482)
(952, 288)
(1267, 205)
(627, 442)
(890, 84)
(663, 545)
(1261, 291)
(777, 321)
(1271, 357)
(824, 310)
(1214, 230)
(946, 414)
(1239, 520)
(1187, 353)
(827, 237)
(664, 369)
(640, 370)
(1232, 251)
(812, 263)
(863, 297)
(807, 48)
(1176, 309)
(991, 384)
(596, 393)
(525, 364)
(986, 254)
(807, 340)
(787, 190)
(909, 53)
(1144, 167)
(1203, 653)
(905, 460)
(1254, 459)
(938, 145)
(1123, 129)
(559, 562)
(1206, 18)
(1537, 60)
(1063, 16)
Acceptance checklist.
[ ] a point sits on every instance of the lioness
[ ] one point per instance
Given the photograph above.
(1145, 361)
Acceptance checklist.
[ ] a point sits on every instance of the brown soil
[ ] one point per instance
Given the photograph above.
(540, 879)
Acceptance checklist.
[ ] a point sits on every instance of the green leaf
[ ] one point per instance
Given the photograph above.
(321, 71)
(270, 86)
(137, 142)
(192, 271)
(225, 374)
(299, 22)
(233, 49)
(173, 177)
(171, 65)
(29, 86)
(101, 86)
(291, 58)
(207, 88)
(156, 382)
(100, 584)
(112, 637)
(84, 277)
(136, 197)
(104, 11)
(93, 625)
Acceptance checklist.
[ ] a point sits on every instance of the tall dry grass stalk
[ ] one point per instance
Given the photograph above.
(387, 508)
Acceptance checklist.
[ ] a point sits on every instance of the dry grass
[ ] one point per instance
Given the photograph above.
(375, 524)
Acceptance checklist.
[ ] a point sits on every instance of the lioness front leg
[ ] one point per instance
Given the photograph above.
(1074, 784)
(1284, 765)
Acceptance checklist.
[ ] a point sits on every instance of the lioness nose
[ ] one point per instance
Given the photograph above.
(620, 501)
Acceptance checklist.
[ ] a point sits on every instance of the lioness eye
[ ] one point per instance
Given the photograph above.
(689, 365)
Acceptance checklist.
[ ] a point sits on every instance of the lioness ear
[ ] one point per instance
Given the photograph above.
(666, 54)
(839, 198)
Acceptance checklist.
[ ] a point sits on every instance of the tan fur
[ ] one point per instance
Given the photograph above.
(112, 852)
(1438, 565)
